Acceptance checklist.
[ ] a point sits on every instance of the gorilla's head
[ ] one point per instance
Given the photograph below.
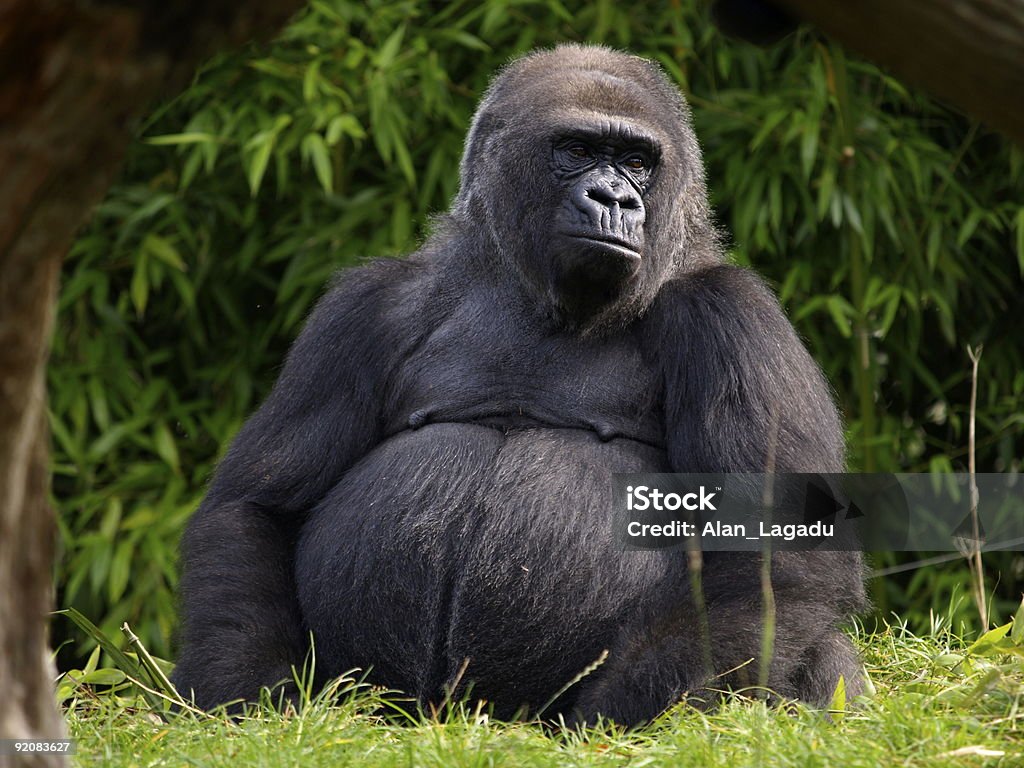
(582, 169)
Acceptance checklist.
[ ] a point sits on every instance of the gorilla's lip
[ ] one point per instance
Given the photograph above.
(627, 249)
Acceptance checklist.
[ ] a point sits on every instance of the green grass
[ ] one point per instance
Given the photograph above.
(937, 701)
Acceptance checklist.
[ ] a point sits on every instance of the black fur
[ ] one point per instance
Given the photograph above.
(430, 479)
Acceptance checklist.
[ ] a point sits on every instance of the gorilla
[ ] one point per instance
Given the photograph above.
(426, 494)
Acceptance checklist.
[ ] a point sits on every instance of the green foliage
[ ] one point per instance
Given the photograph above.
(890, 226)
(136, 677)
(931, 709)
(893, 228)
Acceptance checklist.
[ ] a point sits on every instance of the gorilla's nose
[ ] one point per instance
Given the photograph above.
(612, 193)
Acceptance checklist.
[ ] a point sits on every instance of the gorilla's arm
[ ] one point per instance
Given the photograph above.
(241, 625)
(733, 367)
(744, 384)
(737, 379)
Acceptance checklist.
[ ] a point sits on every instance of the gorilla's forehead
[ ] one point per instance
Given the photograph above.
(587, 91)
(558, 97)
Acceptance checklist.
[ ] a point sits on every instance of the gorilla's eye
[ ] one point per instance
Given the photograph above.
(578, 152)
(635, 163)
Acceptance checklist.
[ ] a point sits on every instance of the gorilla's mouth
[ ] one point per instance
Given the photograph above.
(614, 244)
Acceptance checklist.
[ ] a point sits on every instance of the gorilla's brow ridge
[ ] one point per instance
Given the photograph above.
(598, 127)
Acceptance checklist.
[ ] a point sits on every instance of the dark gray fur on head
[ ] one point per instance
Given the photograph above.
(505, 161)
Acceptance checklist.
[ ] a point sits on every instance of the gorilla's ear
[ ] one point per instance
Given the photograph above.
(485, 126)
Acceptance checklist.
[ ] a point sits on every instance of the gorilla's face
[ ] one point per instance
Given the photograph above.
(582, 169)
(602, 172)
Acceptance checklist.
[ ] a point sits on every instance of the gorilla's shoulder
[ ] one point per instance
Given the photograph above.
(726, 310)
(393, 287)
(380, 278)
(372, 301)
(722, 288)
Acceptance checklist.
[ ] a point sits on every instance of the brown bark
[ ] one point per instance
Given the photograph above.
(969, 52)
(73, 78)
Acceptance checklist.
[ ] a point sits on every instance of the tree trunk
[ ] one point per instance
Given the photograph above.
(969, 52)
(74, 77)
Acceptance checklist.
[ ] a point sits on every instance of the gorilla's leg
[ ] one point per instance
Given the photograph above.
(681, 648)
(815, 677)
(242, 629)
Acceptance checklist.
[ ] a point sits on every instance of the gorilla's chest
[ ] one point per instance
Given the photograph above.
(493, 485)
(490, 369)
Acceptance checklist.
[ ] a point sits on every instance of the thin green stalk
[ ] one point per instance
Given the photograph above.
(863, 369)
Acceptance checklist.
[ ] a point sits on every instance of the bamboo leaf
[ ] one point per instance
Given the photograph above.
(188, 137)
(258, 162)
(809, 145)
(120, 570)
(122, 661)
(841, 312)
(768, 125)
(1017, 630)
(466, 40)
(139, 288)
(311, 81)
(969, 226)
(94, 660)
(162, 249)
(404, 160)
(991, 641)
(852, 214)
(386, 55)
(166, 448)
(315, 150)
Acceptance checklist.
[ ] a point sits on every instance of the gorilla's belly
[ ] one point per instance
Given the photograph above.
(458, 541)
